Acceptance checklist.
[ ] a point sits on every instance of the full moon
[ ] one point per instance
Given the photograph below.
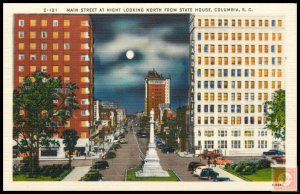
(130, 54)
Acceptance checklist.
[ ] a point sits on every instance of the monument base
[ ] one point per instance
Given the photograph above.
(152, 167)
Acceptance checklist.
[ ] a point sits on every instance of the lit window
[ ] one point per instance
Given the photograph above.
(225, 121)
(199, 48)
(66, 69)
(84, 58)
(225, 36)
(233, 23)
(84, 46)
(239, 23)
(66, 57)
(44, 23)
(84, 23)
(265, 84)
(21, 46)
(55, 69)
(279, 23)
(55, 46)
(199, 22)
(266, 23)
(32, 46)
(233, 36)
(55, 35)
(32, 34)
(212, 22)
(85, 91)
(66, 80)
(21, 79)
(279, 49)
(85, 124)
(279, 84)
(279, 73)
(55, 57)
(67, 124)
(66, 23)
(279, 37)
(44, 69)
(84, 79)
(32, 68)
(84, 34)
(206, 22)
(32, 23)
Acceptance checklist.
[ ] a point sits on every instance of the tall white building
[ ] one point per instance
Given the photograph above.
(236, 64)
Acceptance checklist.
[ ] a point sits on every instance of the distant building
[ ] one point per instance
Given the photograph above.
(96, 111)
(108, 105)
(157, 91)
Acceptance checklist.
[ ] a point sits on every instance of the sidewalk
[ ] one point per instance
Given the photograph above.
(223, 173)
(77, 173)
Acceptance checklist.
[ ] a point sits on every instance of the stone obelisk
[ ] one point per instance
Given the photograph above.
(152, 167)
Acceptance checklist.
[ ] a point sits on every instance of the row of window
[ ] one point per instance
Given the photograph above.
(33, 68)
(239, 23)
(234, 96)
(55, 34)
(211, 48)
(234, 120)
(55, 57)
(238, 72)
(235, 144)
(233, 108)
(238, 60)
(234, 133)
(55, 46)
(45, 23)
(239, 36)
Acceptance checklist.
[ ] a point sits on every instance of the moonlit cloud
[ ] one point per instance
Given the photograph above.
(120, 79)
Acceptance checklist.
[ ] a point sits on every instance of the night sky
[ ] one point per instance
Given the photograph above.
(158, 41)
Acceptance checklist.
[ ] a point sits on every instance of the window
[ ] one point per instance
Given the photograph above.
(219, 120)
(222, 144)
(233, 23)
(232, 120)
(206, 96)
(44, 46)
(66, 69)
(21, 46)
(32, 68)
(239, 23)
(199, 72)
(66, 57)
(259, 108)
(55, 46)
(252, 23)
(212, 120)
(33, 57)
(21, 79)
(279, 23)
(66, 23)
(84, 58)
(239, 84)
(238, 108)
(84, 23)
(43, 57)
(225, 36)
(249, 144)
(206, 120)
(55, 23)
(199, 84)
(273, 23)
(262, 144)
(199, 22)
(44, 23)
(66, 35)
(199, 108)
(44, 69)
(239, 35)
(212, 36)
(265, 84)
(199, 60)
(225, 22)
(232, 98)
(44, 34)
(239, 96)
(84, 69)
(85, 124)
(225, 120)
(206, 48)
(21, 34)
(55, 69)
(225, 108)
(233, 84)
(233, 36)
(206, 22)
(212, 48)
(235, 144)
(55, 35)
(32, 34)
(211, 108)
(225, 48)
(219, 22)
(219, 84)
(66, 46)
(249, 133)
(279, 37)
(21, 23)
(21, 69)
(55, 57)
(32, 23)
(85, 113)
(251, 120)
(199, 96)
(266, 23)
(66, 80)
(225, 96)
(199, 36)
(199, 120)
(85, 101)
(85, 91)
(208, 144)
(246, 109)
(212, 22)
(266, 73)
(279, 50)
(86, 35)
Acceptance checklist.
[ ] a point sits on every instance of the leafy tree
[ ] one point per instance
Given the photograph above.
(41, 104)
(70, 140)
(276, 114)
(183, 137)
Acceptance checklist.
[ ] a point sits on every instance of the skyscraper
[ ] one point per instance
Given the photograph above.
(60, 45)
(236, 64)
(157, 91)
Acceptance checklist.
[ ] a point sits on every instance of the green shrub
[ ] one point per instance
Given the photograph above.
(245, 173)
(240, 167)
(91, 176)
(264, 163)
(249, 169)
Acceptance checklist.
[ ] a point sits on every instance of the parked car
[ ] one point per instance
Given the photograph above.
(99, 165)
(197, 171)
(221, 179)
(208, 173)
(168, 150)
(193, 165)
(162, 146)
(123, 141)
(273, 153)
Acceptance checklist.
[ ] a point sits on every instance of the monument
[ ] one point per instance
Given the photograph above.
(151, 167)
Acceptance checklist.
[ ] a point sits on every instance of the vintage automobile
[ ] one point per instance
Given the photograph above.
(273, 153)
(208, 173)
(197, 171)
(221, 179)
(123, 141)
(193, 165)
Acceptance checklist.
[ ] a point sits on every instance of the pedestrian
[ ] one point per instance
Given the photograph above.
(215, 162)
(208, 162)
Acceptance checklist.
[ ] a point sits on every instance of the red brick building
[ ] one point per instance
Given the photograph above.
(157, 91)
(60, 45)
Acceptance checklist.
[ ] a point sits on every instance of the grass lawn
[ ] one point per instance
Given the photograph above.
(131, 176)
(263, 175)
(23, 177)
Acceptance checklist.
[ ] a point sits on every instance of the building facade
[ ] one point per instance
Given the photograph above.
(59, 45)
(157, 91)
(236, 64)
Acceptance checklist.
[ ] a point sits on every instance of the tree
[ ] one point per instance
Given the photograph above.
(70, 140)
(41, 104)
(275, 114)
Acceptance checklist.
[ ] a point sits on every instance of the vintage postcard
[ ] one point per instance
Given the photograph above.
(150, 97)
